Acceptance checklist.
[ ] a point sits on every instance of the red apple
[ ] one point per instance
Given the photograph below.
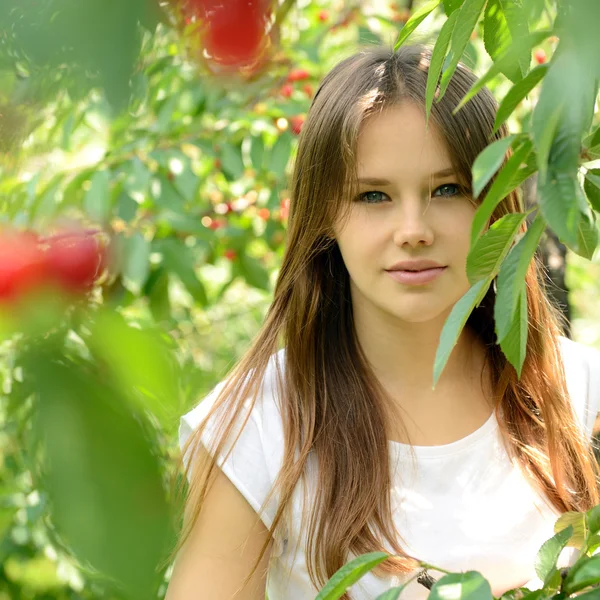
(75, 260)
(22, 265)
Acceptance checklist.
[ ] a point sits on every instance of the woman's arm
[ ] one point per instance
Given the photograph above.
(221, 550)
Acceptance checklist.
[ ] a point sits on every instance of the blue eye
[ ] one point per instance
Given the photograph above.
(363, 197)
(449, 185)
(367, 197)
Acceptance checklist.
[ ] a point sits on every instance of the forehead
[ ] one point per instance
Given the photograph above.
(398, 141)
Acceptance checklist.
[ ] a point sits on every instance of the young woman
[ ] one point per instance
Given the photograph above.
(329, 440)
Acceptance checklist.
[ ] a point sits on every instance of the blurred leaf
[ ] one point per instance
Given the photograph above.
(179, 260)
(97, 201)
(468, 16)
(257, 152)
(139, 360)
(454, 325)
(517, 93)
(157, 291)
(587, 237)
(415, 20)
(231, 161)
(253, 272)
(549, 552)
(349, 574)
(136, 260)
(102, 477)
(280, 154)
(485, 258)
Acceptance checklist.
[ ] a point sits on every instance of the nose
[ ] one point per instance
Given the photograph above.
(412, 226)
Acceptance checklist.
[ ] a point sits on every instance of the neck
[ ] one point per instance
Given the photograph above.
(402, 356)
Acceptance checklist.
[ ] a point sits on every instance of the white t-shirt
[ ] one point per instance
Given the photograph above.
(465, 507)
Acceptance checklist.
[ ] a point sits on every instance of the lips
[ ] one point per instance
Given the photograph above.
(416, 276)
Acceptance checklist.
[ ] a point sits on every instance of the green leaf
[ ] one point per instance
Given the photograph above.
(179, 259)
(157, 291)
(557, 197)
(514, 343)
(582, 575)
(550, 551)
(504, 183)
(470, 585)
(488, 162)
(391, 594)
(415, 20)
(504, 21)
(136, 262)
(465, 24)
(138, 360)
(512, 274)
(101, 472)
(280, 154)
(587, 237)
(577, 520)
(450, 6)
(454, 325)
(519, 46)
(543, 136)
(349, 574)
(485, 258)
(97, 201)
(231, 161)
(437, 60)
(257, 152)
(591, 186)
(593, 519)
(516, 94)
(253, 272)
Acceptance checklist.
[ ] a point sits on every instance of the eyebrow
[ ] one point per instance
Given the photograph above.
(379, 181)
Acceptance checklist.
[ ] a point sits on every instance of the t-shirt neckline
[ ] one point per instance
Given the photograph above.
(453, 447)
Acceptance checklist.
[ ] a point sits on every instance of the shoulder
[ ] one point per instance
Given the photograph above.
(582, 372)
(264, 425)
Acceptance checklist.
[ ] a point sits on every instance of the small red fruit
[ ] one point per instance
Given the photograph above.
(22, 265)
(286, 90)
(235, 32)
(297, 122)
(264, 213)
(216, 224)
(74, 260)
(540, 56)
(323, 16)
(298, 75)
(307, 89)
(230, 254)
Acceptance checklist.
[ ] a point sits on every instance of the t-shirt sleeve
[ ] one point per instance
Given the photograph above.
(582, 370)
(255, 460)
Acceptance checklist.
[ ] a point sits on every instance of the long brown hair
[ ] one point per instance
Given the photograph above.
(332, 405)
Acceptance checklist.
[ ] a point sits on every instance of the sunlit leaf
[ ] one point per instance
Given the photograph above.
(415, 20)
(549, 552)
(469, 585)
(488, 162)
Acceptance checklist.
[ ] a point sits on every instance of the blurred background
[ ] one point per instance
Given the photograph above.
(170, 149)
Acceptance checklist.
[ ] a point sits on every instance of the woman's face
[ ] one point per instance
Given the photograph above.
(398, 219)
